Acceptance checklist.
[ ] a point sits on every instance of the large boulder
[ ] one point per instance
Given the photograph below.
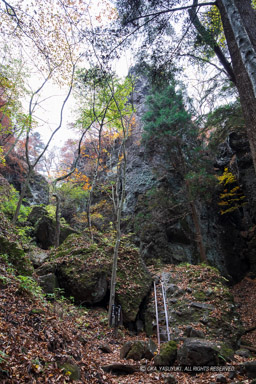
(249, 369)
(196, 309)
(196, 351)
(83, 268)
(44, 232)
(38, 190)
(138, 350)
(36, 213)
(49, 283)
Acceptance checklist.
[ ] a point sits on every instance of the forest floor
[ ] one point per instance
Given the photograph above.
(38, 339)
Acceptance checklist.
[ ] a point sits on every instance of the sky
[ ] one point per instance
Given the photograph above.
(50, 111)
(47, 113)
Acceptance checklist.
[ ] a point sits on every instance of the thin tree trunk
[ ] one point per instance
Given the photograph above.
(22, 194)
(119, 208)
(93, 184)
(57, 217)
(199, 237)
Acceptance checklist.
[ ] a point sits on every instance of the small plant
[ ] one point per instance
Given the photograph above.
(23, 233)
(4, 280)
(10, 269)
(3, 357)
(4, 257)
(59, 294)
(29, 285)
(8, 203)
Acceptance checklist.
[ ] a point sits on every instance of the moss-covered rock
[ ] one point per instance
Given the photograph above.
(16, 256)
(197, 297)
(226, 353)
(70, 370)
(83, 269)
(11, 248)
(138, 350)
(167, 355)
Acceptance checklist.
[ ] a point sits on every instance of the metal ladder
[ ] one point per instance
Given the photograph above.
(166, 325)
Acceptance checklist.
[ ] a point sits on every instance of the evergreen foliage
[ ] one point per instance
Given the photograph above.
(168, 127)
(166, 117)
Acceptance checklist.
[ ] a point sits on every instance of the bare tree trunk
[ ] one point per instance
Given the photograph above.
(243, 41)
(119, 207)
(209, 39)
(243, 81)
(57, 217)
(118, 203)
(93, 183)
(22, 194)
(199, 237)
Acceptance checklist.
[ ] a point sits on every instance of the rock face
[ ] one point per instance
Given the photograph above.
(83, 269)
(164, 230)
(238, 235)
(38, 190)
(151, 212)
(15, 172)
(44, 228)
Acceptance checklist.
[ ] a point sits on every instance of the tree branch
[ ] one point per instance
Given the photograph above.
(202, 59)
(61, 118)
(170, 10)
(209, 39)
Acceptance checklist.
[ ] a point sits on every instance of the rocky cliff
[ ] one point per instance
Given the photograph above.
(164, 230)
